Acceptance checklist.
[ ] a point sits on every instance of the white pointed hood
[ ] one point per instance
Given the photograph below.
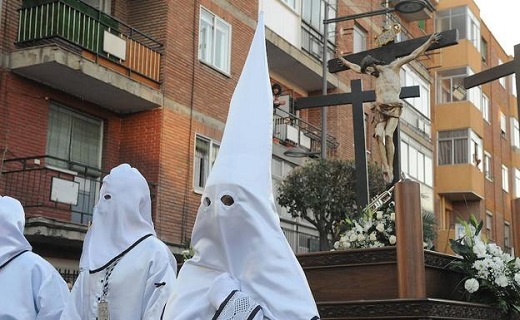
(12, 223)
(122, 216)
(243, 239)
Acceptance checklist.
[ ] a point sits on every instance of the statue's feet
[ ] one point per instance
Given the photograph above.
(388, 176)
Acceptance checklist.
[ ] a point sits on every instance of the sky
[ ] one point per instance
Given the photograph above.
(503, 19)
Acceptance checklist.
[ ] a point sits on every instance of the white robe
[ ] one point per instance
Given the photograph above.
(31, 288)
(135, 287)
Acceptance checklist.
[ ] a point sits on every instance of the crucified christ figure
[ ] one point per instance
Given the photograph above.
(388, 107)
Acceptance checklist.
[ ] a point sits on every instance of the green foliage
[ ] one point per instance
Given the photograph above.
(429, 230)
(323, 191)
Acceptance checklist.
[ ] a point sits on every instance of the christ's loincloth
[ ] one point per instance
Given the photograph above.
(384, 111)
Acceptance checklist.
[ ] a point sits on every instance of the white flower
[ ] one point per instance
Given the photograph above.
(517, 278)
(471, 285)
(392, 239)
(501, 281)
(353, 237)
(517, 263)
(479, 249)
(361, 237)
(494, 249)
(392, 216)
(379, 215)
(373, 236)
(380, 227)
(336, 245)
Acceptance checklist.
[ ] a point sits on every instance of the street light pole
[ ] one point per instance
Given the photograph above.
(324, 65)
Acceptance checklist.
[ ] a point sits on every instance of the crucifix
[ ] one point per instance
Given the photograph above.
(407, 50)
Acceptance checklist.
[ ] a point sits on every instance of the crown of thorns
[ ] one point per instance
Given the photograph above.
(369, 61)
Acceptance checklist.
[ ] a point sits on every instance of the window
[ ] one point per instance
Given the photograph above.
(290, 3)
(450, 87)
(503, 124)
(421, 103)
(517, 183)
(488, 166)
(505, 178)
(206, 151)
(214, 41)
(74, 141)
(507, 238)
(73, 137)
(359, 39)
(416, 163)
(483, 49)
(489, 225)
(279, 170)
(460, 18)
(515, 133)
(485, 108)
(501, 80)
(513, 85)
(459, 147)
(313, 13)
(101, 5)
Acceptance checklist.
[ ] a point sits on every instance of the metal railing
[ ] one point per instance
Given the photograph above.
(85, 26)
(301, 242)
(417, 121)
(40, 184)
(293, 131)
(312, 42)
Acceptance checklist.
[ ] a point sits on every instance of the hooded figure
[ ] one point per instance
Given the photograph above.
(243, 267)
(30, 287)
(126, 273)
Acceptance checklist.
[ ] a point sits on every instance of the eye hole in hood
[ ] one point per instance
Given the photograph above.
(206, 202)
(227, 200)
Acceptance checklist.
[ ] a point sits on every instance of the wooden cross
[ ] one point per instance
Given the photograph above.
(357, 97)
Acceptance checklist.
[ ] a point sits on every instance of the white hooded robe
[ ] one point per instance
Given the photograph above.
(122, 256)
(30, 287)
(237, 238)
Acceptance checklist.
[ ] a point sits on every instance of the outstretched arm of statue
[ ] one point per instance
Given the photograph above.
(434, 38)
(352, 66)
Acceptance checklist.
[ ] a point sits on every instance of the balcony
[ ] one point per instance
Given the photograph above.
(291, 131)
(461, 182)
(97, 57)
(52, 188)
(418, 122)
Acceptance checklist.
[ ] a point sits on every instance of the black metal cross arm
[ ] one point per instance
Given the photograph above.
(393, 51)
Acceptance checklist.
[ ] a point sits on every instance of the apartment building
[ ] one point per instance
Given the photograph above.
(86, 85)
(477, 132)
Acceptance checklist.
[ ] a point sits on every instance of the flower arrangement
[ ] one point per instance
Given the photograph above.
(370, 230)
(491, 276)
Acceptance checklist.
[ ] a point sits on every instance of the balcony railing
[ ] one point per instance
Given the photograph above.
(417, 121)
(90, 29)
(301, 242)
(293, 131)
(52, 187)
